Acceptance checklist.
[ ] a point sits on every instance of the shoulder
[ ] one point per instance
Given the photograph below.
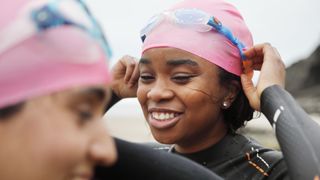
(158, 146)
(267, 162)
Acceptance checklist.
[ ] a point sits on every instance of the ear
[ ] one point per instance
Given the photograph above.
(232, 91)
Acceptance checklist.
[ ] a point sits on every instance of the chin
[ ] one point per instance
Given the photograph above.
(164, 138)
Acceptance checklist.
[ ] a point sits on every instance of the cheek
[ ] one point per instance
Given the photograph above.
(201, 114)
(202, 100)
(196, 98)
(204, 90)
(56, 142)
(61, 146)
(142, 94)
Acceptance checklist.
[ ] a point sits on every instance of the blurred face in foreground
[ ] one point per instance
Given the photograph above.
(57, 137)
(181, 97)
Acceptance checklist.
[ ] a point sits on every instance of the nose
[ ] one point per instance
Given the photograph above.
(160, 91)
(102, 148)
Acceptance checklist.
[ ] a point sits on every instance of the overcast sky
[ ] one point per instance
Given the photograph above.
(293, 26)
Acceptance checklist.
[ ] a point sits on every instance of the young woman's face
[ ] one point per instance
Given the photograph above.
(57, 137)
(181, 98)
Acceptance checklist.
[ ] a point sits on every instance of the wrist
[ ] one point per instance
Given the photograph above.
(114, 99)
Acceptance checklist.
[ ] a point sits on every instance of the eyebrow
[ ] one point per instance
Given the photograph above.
(175, 62)
(97, 93)
(144, 61)
(179, 62)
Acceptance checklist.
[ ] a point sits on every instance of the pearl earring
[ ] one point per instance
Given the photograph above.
(225, 104)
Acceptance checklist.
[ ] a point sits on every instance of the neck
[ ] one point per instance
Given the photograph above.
(203, 140)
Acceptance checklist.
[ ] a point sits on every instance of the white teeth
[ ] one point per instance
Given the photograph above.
(162, 116)
(171, 115)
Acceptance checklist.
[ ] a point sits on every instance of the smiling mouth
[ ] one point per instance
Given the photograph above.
(163, 119)
(163, 116)
(83, 176)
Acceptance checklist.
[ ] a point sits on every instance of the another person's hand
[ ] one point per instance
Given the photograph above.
(125, 77)
(267, 60)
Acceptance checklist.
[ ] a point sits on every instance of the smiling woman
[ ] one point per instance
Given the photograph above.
(190, 89)
(178, 90)
(190, 92)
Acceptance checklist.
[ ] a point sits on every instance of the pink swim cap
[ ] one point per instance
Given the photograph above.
(211, 45)
(53, 60)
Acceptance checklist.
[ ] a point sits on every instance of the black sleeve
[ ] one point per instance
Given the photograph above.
(298, 135)
(114, 99)
(136, 161)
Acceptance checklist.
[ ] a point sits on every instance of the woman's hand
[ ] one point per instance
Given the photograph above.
(125, 77)
(267, 60)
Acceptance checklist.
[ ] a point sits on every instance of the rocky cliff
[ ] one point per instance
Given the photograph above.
(303, 82)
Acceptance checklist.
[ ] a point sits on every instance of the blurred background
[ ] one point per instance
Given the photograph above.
(292, 26)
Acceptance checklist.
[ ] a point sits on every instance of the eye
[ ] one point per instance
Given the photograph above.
(146, 77)
(182, 78)
(85, 115)
(85, 112)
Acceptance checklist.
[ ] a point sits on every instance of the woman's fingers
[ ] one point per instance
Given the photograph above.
(130, 64)
(135, 76)
(267, 60)
(250, 91)
(257, 50)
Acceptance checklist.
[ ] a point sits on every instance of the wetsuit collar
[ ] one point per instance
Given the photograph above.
(225, 149)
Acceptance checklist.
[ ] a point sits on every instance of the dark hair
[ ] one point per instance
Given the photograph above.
(9, 111)
(240, 110)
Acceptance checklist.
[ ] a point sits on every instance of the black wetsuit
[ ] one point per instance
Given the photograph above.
(235, 156)
(297, 134)
(238, 157)
(139, 162)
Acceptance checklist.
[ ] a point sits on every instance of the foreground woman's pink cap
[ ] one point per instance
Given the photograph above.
(53, 60)
(211, 45)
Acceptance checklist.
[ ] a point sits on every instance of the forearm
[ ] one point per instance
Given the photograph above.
(113, 101)
(298, 135)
